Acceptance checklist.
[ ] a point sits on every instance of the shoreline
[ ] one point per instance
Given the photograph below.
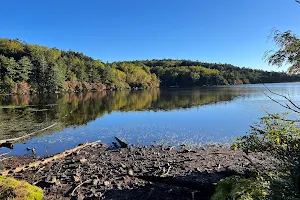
(110, 88)
(97, 171)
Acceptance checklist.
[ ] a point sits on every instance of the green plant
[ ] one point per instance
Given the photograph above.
(279, 137)
(237, 188)
(19, 190)
(274, 134)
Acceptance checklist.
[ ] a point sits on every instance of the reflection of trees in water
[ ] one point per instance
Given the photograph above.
(29, 113)
(16, 122)
(176, 99)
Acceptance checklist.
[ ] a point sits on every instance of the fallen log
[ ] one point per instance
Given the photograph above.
(205, 189)
(25, 106)
(121, 142)
(50, 159)
(4, 154)
(15, 107)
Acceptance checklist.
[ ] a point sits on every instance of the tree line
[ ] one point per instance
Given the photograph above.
(47, 69)
(27, 67)
(195, 73)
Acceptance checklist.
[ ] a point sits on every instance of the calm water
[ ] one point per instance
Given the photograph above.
(175, 116)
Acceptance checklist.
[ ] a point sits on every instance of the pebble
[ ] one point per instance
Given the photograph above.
(130, 172)
(106, 183)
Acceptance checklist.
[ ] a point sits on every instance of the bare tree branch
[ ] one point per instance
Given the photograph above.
(285, 97)
(285, 106)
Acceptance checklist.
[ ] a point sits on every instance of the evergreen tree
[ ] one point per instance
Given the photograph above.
(25, 66)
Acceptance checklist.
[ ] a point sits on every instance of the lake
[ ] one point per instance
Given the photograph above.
(194, 116)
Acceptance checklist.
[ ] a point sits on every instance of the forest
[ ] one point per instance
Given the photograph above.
(43, 69)
(195, 73)
(32, 68)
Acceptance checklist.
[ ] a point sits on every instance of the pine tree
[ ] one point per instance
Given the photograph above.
(25, 67)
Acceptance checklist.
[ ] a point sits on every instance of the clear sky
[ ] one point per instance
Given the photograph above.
(232, 31)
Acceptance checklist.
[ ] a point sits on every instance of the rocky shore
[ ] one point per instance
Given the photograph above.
(160, 172)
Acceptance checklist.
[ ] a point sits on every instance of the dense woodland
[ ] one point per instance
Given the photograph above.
(49, 69)
(27, 67)
(195, 73)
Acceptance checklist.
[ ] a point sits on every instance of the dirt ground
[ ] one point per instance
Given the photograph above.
(159, 172)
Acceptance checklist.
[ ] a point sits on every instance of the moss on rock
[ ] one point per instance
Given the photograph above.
(11, 188)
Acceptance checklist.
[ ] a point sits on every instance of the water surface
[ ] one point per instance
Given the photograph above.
(174, 116)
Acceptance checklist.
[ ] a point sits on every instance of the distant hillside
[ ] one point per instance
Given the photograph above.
(27, 67)
(195, 73)
(44, 69)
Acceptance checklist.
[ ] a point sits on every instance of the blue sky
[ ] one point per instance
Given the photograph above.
(232, 31)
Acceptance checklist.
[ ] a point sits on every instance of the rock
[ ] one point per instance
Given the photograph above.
(83, 160)
(108, 170)
(123, 165)
(130, 172)
(106, 183)
(33, 151)
(185, 151)
(52, 180)
(126, 179)
(95, 182)
(93, 190)
(80, 197)
(76, 178)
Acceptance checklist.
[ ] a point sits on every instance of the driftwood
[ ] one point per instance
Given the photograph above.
(13, 107)
(39, 110)
(25, 106)
(7, 141)
(4, 154)
(48, 160)
(7, 145)
(121, 142)
(78, 186)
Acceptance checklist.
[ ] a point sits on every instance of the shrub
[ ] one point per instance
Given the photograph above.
(280, 137)
(274, 134)
(19, 190)
(237, 188)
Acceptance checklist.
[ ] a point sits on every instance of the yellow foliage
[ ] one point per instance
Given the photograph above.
(278, 140)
